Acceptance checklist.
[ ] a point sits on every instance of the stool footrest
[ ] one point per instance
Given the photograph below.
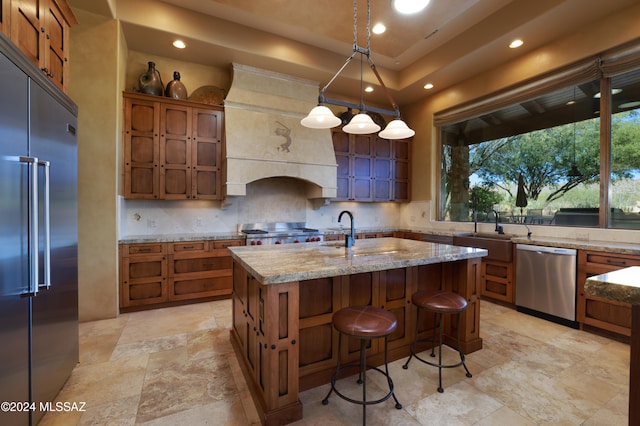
(435, 364)
(334, 378)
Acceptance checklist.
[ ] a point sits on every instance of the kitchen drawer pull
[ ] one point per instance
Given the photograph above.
(617, 262)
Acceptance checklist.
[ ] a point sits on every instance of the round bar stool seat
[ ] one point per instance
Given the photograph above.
(439, 303)
(364, 323)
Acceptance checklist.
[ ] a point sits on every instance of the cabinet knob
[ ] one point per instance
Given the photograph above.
(293, 342)
(272, 346)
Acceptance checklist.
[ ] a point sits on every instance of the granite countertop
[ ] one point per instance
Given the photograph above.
(296, 262)
(176, 238)
(604, 246)
(622, 285)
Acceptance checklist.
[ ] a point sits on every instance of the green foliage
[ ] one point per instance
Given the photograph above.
(483, 198)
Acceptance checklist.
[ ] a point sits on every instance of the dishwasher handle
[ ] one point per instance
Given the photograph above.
(546, 250)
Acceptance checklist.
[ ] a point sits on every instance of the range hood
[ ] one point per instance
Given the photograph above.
(264, 137)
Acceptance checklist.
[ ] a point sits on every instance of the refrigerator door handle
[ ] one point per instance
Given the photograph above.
(32, 162)
(47, 226)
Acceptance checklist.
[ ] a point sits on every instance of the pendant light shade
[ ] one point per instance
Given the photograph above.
(396, 129)
(320, 117)
(361, 124)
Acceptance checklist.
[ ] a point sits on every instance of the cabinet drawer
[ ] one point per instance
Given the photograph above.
(222, 244)
(144, 249)
(614, 261)
(182, 289)
(144, 293)
(200, 264)
(189, 246)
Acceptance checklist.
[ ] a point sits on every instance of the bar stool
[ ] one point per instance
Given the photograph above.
(440, 303)
(364, 323)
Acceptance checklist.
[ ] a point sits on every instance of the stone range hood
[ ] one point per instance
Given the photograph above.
(264, 137)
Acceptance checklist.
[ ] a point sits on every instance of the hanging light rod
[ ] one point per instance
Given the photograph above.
(321, 117)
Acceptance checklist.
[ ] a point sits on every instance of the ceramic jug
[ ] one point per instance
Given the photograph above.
(175, 89)
(150, 81)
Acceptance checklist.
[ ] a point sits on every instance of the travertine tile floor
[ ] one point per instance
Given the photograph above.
(176, 366)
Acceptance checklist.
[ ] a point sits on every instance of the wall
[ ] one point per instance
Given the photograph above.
(94, 86)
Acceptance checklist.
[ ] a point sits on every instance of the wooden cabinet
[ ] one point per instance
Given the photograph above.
(172, 149)
(40, 29)
(143, 274)
(498, 271)
(497, 280)
(408, 235)
(597, 312)
(161, 274)
(371, 168)
(200, 269)
(265, 327)
(141, 148)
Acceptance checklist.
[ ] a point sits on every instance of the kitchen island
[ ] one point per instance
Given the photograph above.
(285, 295)
(624, 286)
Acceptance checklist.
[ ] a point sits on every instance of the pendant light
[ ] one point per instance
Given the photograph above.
(321, 117)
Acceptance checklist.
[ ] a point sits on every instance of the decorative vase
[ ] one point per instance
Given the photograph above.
(175, 89)
(150, 81)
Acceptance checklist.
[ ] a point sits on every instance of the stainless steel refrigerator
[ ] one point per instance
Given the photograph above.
(38, 239)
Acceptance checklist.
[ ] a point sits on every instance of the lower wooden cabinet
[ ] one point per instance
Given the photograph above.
(143, 274)
(497, 280)
(159, 274)
(597, 312)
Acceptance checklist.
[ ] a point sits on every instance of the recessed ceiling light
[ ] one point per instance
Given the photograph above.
(631, 104)
(368, 89)
(613, 92)
(516, 43)
(428, 86)
(571, 102)
(379, 28)
(179, 44)
(410, 6)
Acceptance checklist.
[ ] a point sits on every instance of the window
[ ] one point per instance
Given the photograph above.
(540, 156)
(625, 151)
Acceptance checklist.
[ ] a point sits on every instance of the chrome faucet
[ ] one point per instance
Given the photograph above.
(499, 228)
(350, 239)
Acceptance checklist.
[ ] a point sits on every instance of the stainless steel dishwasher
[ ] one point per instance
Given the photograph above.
(546, 283)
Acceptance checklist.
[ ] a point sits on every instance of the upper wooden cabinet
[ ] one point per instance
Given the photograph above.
(371, 168)
(40, 29)
(172, 148)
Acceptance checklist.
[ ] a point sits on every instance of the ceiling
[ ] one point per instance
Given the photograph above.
(449, 41)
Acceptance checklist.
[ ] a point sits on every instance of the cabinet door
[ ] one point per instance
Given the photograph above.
(401, 177)
(175, 152)
(342, 150)
(206, 154)
(56, 46)
(395, 297)
(362, 168)
(382, 169)
(27, 28)
(141, 149)
(143, 280)
(497, 280)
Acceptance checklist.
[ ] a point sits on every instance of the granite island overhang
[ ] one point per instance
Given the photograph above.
(284, 297)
